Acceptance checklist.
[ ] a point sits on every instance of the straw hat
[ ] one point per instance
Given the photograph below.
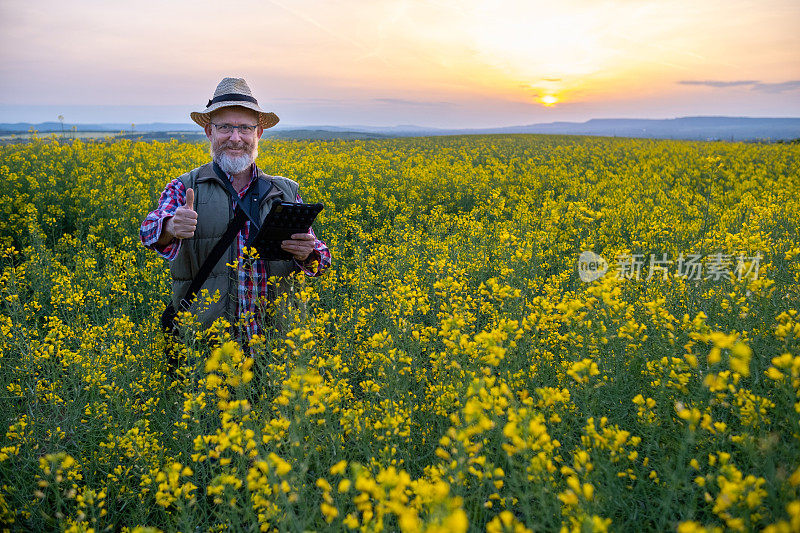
(233, 92)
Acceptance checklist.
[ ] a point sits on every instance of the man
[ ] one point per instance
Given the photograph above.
(195, 209)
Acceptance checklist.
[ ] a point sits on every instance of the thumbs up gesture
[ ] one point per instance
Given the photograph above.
(184, 221)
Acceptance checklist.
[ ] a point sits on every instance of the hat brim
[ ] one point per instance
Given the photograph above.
(203, 118)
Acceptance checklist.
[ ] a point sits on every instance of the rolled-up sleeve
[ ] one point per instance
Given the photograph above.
(173, 196)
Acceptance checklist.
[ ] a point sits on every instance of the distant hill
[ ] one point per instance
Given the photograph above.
(56, 127)
(697, 128)
(194, 136)
(691, 128)
(322, 134)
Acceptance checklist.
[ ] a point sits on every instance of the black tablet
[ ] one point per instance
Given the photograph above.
(283, 220)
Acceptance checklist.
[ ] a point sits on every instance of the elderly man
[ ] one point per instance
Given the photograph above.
(195, 210)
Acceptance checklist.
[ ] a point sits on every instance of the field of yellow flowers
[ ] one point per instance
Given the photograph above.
(451, 372)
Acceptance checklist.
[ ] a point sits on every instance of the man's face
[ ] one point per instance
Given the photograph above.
(235, 149)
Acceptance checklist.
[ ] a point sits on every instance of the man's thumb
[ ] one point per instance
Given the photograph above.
(190, 198)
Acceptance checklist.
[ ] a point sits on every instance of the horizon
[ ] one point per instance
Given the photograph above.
(444, 65)
(399, 127)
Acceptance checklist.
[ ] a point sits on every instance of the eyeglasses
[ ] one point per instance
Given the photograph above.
(244, 129)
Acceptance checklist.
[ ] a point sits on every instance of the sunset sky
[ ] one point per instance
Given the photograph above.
(464, 63)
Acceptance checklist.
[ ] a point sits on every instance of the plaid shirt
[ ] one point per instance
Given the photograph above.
(252, 274)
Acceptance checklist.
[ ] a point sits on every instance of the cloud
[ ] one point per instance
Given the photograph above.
(713, 83)
(777, 87)
(401, 101)
(755, 85)
(313, 100)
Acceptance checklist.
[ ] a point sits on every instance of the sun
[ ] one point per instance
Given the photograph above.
(548, 100)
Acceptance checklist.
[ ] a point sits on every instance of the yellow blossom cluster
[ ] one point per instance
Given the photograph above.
(451, 372)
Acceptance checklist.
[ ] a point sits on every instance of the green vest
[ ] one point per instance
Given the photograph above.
(214, 211)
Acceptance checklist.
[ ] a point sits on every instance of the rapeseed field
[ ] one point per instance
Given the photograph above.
(461, 367)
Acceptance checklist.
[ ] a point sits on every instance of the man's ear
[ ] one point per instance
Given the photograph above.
(208, 130)
(259, 131)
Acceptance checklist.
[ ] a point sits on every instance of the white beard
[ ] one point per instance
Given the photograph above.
(233, 165)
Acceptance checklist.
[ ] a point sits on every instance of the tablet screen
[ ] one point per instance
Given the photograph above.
(283, 220)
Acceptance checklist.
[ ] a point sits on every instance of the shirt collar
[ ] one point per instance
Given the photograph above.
(253, 178)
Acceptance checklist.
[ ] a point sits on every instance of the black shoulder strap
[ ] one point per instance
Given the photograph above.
(170, 313)
(234, 227)
(247, 208)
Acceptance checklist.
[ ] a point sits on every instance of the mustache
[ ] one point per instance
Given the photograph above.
(236, 146)
(219, 149)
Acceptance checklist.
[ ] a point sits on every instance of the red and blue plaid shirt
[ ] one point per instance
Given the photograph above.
(252, 274)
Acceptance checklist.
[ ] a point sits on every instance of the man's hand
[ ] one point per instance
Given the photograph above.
(183, 222)
(300, 245)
